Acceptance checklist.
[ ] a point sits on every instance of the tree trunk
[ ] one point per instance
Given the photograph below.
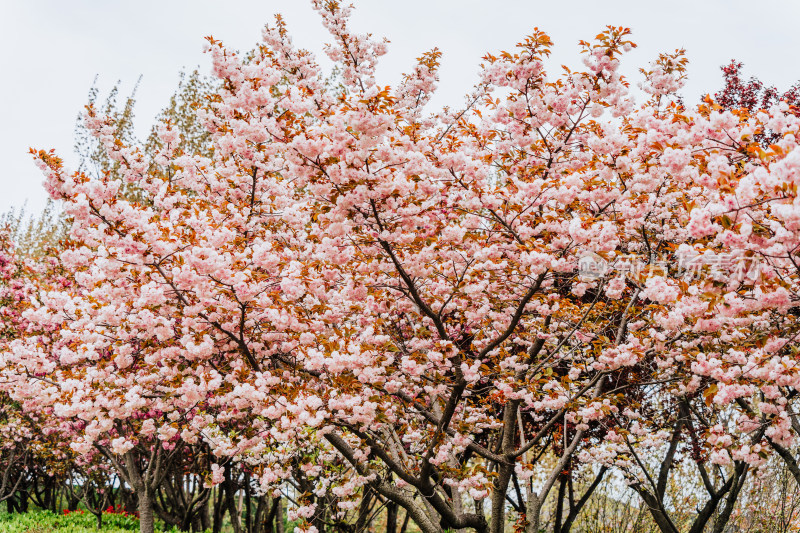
(72, 502)
(391, 517)
(219, 509)
(504, 471)
(534, 510)
(560, 504)
(230, 499)
(364, 509)
(575, 511)
(722, 518)
(248, 504)
(146, 515)
(279, 516)
(205, 518)
(655, 507)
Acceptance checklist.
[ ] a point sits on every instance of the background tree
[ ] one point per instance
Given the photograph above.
(752, 95)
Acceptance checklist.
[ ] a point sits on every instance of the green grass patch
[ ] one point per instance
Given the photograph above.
(75, 522)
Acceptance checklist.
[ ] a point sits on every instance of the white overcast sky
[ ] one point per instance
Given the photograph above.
(51, 50)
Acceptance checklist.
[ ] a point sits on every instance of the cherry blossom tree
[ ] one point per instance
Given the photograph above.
(446, 311)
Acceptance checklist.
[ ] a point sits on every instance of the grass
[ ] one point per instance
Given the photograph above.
(76, 522)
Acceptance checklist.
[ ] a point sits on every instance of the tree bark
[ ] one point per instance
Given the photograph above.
(279, 516)
(391, 517)
(230, 499)
(219, 509)
(146, 514)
